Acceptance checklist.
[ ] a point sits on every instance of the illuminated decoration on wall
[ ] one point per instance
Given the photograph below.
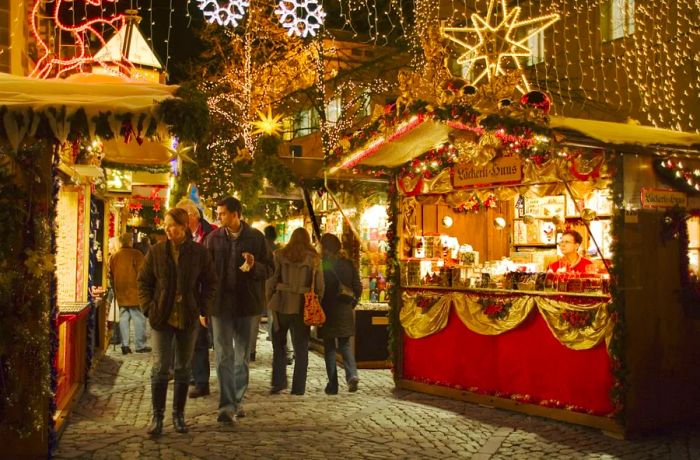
(301, 17)
(228, 15)
(128, 46)
(499, 42)
(118, 180)
(52, 64)
(268, 123)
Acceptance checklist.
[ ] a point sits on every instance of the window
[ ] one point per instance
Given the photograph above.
(334, 110)
(536, 45)
(305, 122)
(616, 19)
(288, 128)
(365, 105)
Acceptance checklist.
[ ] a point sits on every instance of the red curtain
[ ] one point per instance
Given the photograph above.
(526, 361)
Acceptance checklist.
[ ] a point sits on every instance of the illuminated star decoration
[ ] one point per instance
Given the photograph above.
(229, 14)
(268, 124)
(301, 17)
(498, 42)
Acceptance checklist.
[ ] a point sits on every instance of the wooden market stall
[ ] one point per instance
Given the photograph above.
(56, 136)
(478, 311)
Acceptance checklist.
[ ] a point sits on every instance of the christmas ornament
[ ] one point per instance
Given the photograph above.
(230, 14)
(268, 124)
(499, 45)
(588, 214)
(536, 99)
(301, 17)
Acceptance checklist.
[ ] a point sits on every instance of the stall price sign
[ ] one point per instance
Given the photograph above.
(663, 198)
(500, 171)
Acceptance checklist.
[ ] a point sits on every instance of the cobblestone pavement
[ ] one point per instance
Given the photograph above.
(109, 422)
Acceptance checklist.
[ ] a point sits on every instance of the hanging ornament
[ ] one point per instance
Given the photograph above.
(268, 123)
(501, 40)
(536, 99)
(224, 12)
(301, 17)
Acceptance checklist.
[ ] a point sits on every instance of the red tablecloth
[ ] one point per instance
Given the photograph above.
(527, 360)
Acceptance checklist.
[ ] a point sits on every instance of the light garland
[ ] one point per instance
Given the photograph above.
(678, 174)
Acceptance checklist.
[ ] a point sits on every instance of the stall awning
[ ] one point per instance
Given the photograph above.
(95, 94)
(428, 134)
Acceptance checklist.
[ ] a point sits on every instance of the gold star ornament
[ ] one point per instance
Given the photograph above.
(268, 123)
(500, 41)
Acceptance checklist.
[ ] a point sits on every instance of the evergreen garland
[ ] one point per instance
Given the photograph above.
(26, 267)
(616, 307)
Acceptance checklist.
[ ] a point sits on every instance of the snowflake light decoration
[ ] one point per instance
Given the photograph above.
(301, 17)
(230, 14)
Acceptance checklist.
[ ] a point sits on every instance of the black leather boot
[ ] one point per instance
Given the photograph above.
(158, 392)
(179, 400)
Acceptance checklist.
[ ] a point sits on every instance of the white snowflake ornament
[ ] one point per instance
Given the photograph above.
(224, 12)
(301, 17)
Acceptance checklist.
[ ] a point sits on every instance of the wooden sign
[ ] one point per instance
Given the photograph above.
(499, 171)
(663, 198)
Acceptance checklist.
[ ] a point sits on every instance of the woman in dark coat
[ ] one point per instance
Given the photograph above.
(342, 289)
(176, 288)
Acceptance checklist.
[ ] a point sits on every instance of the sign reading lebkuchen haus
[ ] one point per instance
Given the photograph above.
(499, 171)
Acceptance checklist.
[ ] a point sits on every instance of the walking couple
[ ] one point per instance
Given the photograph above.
(183, 283)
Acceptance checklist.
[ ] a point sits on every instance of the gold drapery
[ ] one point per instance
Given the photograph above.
(421, 322)
(470, 311)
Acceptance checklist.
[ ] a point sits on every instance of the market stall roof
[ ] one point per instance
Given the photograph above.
(428, 134)
(95, 94)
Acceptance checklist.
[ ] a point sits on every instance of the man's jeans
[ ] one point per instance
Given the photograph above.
(136, 316)
(331, 366)
(200, 358)
(300, 341)
(172, 348)
(232, 347)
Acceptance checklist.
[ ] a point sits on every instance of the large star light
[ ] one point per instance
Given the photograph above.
(268, 124)
(497, 41)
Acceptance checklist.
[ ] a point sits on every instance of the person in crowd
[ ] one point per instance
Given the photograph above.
(176, 288)
(200, 228)
(295, 266)
(571, 260)
(271, 237)
(243, 263)
(342, 289)
(124, 268)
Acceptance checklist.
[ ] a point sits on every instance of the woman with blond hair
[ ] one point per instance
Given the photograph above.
(176, 288)
(297, 270)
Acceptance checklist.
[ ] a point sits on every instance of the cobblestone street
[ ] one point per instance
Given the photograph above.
(109, 422)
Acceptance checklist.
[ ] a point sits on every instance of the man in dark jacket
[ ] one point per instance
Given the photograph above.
(243, 263)
(200, 229)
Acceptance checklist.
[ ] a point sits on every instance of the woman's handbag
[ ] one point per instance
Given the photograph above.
(313, 313)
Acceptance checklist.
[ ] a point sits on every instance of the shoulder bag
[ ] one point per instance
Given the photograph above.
(313, 313)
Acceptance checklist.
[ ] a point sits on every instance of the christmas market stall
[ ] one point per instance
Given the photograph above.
(490, 303)
(57, 138)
